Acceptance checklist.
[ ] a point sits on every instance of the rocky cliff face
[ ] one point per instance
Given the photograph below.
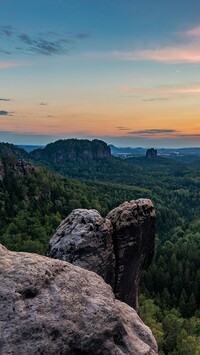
(68, 150)
(117, 247)
(2, 170)
(52, 307)
(133, 239)
(8, 165)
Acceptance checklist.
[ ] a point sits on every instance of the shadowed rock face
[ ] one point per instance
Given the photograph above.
(133, 239)
(2, 170)
(151, 153)
(20, 166)
(65, 150)
(84, 238)
(117, 247)
(52, 307)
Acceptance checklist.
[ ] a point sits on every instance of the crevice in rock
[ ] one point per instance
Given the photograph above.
(29, 293)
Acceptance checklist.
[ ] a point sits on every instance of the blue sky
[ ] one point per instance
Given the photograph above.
(124, 71)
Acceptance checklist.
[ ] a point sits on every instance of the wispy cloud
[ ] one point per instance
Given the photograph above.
(3, 99)
(4, 51)
(121, 128)
(5, 113)
(8, 31)
(160, 133)
(188, 51)
(156, 99)
(169, 90)
(83, 35)
(153, 132)
(195, 31)
(48, 43)
(5, 65)
(190, 135)
(182, 54)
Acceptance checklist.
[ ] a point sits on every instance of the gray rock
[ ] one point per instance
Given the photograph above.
(133, 238)
(84, 238)
(52, 307)
(117, 248)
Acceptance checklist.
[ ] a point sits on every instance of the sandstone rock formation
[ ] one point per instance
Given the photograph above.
(67, 150)
(133, 239)
(23, 167)
(52, 307)
(11, 165)
(84, 238)
(117, 247)
(151, 153)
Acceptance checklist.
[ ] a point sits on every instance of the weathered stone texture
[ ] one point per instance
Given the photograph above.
(133, 239)
(117, 248)
(84, 238)
(52, 307)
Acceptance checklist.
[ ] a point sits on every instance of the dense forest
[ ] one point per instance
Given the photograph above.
(32, 206)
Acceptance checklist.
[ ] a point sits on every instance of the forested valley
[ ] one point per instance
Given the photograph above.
(33, 204)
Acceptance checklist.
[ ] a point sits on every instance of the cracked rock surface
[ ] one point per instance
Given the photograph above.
(84, 238)
(52, 307)
(117, 247)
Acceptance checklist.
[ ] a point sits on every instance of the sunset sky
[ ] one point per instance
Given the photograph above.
(125, 71)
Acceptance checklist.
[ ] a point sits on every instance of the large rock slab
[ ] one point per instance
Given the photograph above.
(52, 307)
(133, 239)
(84, 238)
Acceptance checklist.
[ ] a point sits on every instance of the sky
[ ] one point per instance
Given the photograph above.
(125, 71)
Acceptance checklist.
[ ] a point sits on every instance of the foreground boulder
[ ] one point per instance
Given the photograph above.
(52, 307)
(117, 248)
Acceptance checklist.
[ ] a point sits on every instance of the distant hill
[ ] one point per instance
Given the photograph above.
(127, 152)
(185, 155)
(30, 148)
(11, 150)
(92, 160)
(70, 150)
